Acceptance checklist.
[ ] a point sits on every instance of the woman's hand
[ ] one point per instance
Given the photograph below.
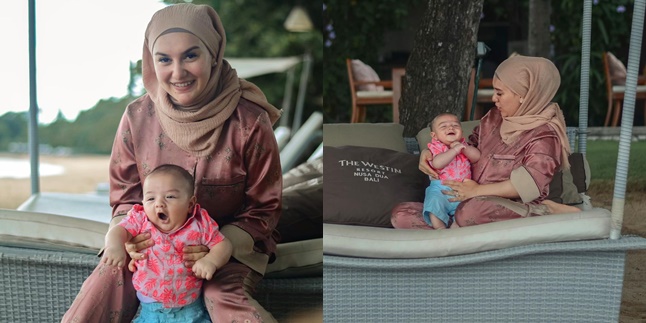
(193, 254)
(425, 158)
(135, 245)
(461, 190)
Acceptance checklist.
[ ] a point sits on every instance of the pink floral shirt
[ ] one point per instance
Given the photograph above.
(458, 169)
(162, 276)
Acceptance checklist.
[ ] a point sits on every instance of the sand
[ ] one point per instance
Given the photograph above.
(83, 173)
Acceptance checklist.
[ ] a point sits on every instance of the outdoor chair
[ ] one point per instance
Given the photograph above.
(366, 89)
(615, 76)
(484, 95)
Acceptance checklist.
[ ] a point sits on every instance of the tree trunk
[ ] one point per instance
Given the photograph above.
(538, 40)
(439, 67)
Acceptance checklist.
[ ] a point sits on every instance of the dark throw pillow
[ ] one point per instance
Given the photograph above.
(567, 184)
(302, 211)
(363, 184)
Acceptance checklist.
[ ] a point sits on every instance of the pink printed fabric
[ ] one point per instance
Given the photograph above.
(458, 169)
(163, 276)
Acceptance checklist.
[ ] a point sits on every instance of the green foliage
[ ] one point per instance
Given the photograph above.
(13, 128)
(255, 29)
(610, 30)
(353, 29)
(92, 132)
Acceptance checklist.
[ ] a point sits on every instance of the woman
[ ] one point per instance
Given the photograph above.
(522, 143)
(199, 115)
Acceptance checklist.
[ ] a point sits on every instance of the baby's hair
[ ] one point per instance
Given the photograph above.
(430, 124)
(178, 172)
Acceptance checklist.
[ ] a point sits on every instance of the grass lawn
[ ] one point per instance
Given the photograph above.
(602, 157)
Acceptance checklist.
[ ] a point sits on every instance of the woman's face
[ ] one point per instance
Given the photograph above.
(182, 66)
(505, 99)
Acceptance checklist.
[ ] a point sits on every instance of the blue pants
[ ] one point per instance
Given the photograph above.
(157, 313)
(438, 204)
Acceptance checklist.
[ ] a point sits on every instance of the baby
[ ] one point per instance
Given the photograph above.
(452, 158)
(174, 219)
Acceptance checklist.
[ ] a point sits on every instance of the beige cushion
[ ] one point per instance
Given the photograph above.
(300, 258)
(485, 94)
(371, 242)
(51, 231)
(374, 94)
(365, 73)
(378, 135)
(617, 70)
(622, 88)
(57, 232)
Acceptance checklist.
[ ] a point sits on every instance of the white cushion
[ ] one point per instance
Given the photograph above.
(622, 88)
(374, 94)
(365, 73)
(485, 94)
(51, 231)
(59, 232)
(373, 242)
(297, 254)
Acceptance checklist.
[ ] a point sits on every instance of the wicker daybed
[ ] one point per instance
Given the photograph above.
(555, 268)
(44, 259)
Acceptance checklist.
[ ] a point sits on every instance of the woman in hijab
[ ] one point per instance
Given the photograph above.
(199, 115)
(522, 143)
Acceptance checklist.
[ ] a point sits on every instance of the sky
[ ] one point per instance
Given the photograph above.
(83, 52)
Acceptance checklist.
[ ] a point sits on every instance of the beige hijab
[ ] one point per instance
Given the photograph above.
(196, 128)
(536, 80)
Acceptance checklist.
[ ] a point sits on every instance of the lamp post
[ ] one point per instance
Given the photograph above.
(33, 105)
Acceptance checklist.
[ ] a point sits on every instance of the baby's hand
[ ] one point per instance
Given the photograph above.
(204, 269)
(457, 145)
(114, 257)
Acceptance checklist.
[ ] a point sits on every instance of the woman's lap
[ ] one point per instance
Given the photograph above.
(478, 210)
(228, 295)
(107, 295)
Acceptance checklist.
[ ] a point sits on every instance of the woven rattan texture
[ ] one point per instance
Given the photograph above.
(39, 286)
(558, 282)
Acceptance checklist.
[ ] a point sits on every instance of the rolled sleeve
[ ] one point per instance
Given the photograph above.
(524, 184)
(533, 177)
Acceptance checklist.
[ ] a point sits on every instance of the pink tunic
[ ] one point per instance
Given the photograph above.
(530, 163)
(458, 169)
(163, 276)
(240, 183)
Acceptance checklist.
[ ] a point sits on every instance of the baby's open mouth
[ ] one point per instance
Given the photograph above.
(162, 216)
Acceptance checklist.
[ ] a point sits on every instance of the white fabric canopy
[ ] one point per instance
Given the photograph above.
(250, 67)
